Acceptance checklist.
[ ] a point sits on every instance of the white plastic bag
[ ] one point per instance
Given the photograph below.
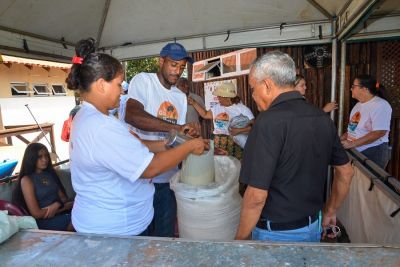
(240, 139)
(240, 121)
(210, 212)
(9, 224)
(7, 227)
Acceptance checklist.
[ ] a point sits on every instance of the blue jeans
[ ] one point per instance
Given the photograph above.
(164, 211)
(379, 154)
(309, 233)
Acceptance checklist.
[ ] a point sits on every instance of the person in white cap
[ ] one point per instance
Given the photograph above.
(229, 107)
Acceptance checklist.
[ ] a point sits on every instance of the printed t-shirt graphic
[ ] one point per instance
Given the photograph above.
(355, 119)
(221, 122)
(167, 111)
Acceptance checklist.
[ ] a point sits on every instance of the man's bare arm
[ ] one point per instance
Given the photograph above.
(252, 205)
(137, 117)
(340, 188)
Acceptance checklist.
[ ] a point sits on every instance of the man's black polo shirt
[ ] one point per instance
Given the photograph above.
(287, 153)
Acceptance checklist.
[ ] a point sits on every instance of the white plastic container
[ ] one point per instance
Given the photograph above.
(199, 170)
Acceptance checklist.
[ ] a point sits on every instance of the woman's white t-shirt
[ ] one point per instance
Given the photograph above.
(106, 163)
(373, 115)
(222, 116)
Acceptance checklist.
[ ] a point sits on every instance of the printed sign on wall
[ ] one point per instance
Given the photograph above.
(210, 99)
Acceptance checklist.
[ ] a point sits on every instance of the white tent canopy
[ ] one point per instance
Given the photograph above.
(48, 29)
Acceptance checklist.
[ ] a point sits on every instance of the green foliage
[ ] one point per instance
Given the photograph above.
(136, 66)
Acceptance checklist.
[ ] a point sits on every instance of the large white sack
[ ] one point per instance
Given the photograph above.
(210, 212)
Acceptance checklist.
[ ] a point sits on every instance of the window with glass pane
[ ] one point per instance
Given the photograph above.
(40, 89)
(19, 89)
(229, 64)
(58, 89)
(246, 58)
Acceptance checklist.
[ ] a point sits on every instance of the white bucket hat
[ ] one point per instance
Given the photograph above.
(225, 90)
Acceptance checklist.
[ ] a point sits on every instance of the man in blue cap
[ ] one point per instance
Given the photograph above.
(154, 107)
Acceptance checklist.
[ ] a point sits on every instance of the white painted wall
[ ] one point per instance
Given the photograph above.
(45, 109)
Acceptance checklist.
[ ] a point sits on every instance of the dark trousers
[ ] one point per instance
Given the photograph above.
(380, 154)
(148, 230)
(164, 211)
(59, 222)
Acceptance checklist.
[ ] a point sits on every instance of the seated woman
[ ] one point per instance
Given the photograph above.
(111, 168)
(229, 106)
(40, 191)
(369, 124)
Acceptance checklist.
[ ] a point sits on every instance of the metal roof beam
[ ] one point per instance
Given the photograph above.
(386, 27)
(11, 43)
(37, 36)
(355, 14)
(103, 22)
(290, 34)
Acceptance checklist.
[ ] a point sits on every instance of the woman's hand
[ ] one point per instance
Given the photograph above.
(220, 152)
(199, 145)
(68, 205)
(347, 144)
(344, 136)
(190, 100)
(235, 131)
(330, 106)
(51, 210)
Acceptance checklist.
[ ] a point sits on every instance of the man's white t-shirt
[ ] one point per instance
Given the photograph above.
(106, 163)
(166, 104)
(222, 115)
(373, 115)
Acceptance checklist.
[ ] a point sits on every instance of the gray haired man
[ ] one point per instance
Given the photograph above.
(286, 160)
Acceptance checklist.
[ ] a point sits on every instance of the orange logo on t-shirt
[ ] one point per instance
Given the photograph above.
(222, 116)
(168, 112)
(221, 122)
(355, 119)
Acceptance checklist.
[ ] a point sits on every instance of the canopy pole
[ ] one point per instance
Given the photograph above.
(333, 99)
(342, 83)
(125, 71)
(334, 68)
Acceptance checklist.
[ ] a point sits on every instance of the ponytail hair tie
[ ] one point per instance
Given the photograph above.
(77, 60)
(377, 85)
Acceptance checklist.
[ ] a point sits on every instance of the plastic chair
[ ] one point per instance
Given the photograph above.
(12, 209)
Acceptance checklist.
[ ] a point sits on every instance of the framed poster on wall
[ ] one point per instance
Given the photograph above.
(209, 87)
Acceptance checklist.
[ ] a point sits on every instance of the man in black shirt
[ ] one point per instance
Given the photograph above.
(286, 160)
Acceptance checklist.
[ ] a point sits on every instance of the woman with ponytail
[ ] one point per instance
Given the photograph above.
(111, 168)
(369, 125)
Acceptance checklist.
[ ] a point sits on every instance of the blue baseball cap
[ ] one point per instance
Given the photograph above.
(176, 52)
